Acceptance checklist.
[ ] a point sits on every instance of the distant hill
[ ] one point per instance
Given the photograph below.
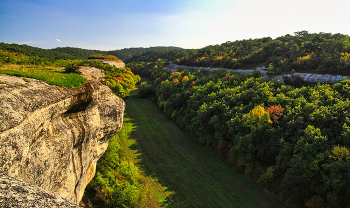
(127, 53)
(323, 53)
(74, 53)
(303, 51)
(51, 55)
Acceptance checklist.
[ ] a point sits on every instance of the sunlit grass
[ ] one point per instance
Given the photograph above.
(193, 175)
(52, 75)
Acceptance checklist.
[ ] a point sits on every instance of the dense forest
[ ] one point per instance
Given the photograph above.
(311, 52)
(294, 142)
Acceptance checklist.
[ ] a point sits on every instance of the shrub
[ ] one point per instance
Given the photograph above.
(72, 68)
(146, 90)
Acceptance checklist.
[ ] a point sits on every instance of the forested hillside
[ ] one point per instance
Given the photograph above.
(50, 55)
(293, 141)
(74, 53)
(127, 53)
(310, 52)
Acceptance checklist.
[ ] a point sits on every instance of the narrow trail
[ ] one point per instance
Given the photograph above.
(194, 175)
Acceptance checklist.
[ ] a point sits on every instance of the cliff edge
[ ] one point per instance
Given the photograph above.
(17, 194)
(51, 136)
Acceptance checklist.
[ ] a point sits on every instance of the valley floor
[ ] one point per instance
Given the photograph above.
(190, 175)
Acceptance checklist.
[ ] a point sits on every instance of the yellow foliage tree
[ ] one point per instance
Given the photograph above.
(340, 153)
(257, 118)
(185, 79)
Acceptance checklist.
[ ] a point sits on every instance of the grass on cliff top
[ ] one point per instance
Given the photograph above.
(52, 75)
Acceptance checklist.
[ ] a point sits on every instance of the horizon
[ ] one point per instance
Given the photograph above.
(115, 25)
(90, 48)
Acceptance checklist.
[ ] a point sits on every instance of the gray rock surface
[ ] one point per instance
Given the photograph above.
(92, 73)
(17, 194)
(51, 136)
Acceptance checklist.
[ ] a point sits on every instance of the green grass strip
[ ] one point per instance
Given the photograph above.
(52, 77)
(193, 173)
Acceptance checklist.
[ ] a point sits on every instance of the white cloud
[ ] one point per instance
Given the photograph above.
(28, 42)
(58, 40)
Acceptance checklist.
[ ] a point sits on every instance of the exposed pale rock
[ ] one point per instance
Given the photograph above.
(118, 64)
(92, 73)
(51, 136)
(17, 194)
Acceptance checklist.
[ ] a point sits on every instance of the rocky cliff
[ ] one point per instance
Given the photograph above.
(17, 194)
(118, 64)
(51, 136)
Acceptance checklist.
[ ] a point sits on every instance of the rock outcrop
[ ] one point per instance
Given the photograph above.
(117, 64)
(17, 194)
(51, 136)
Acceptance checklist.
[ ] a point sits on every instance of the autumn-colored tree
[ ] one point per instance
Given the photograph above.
(191, 85)
(275, 113)
(175, 81)
(227, 77)
(340, 153)
(257, 118)
(185, 79)
(175, 75)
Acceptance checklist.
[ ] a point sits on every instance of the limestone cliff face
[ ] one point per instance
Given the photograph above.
(118, 64)
(52, 137)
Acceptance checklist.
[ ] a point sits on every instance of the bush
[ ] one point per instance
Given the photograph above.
(146, 90)
(72, 68)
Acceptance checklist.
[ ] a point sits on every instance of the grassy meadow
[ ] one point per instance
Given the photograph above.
(181, 172)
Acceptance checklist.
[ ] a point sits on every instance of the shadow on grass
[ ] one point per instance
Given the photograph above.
(185, 173)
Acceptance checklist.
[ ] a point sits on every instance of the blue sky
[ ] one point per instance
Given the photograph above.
(116, 24)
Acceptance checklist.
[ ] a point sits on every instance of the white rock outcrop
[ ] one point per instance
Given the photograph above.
(51, 136)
